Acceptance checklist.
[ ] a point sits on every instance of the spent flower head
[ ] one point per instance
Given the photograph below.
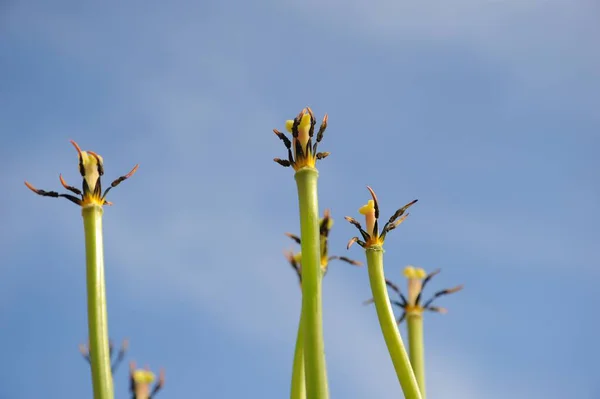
(91, 168)
(140, 380)
(301, 152)
(372, 237)
(325, 225)
(85, 352)
(412, 304)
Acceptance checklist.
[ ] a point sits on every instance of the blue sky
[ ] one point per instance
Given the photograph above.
(486, 111)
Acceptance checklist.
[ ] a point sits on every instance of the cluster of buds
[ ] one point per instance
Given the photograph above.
(304, 152)
(85, 352)
(140, 381)
(372, 237)
(413, 304)
(295, 259)
(91, 168)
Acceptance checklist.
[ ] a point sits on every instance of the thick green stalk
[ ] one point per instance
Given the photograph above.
(96, 292)
(394, 343)
(416, 348)
(312, 320)
(298, 380)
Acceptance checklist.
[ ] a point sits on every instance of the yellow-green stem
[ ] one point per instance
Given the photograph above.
(298, 380)
(416, 348)
(387, 321)
(312, 320)
(96, 295)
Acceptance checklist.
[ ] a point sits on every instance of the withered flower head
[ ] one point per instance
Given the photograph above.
(140, 380)
(371, 236)
(85, 352)
(304, 152)
(325, 225)
(413, 305)
(91, 168)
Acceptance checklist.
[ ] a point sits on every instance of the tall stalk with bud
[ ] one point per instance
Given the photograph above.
(91, 199)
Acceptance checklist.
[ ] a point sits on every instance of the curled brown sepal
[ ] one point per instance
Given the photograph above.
(371, 236)
(402, 303)
(300, 150)
(347, 260)
(91, 168)
(294, 237)
(295, 260)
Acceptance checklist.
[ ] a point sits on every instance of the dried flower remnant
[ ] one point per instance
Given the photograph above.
(371, 237)
(301, 152)
(372, 241)
(91, 168)
(91, 199)
(325, 225)
(414, 305)
(140, 381)
(302, 157)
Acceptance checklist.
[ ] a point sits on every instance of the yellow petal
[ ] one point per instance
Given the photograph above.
(369, 207)
(288, 125)
(90, 166)
(143, 376)
(298, 257)
(303, 130)
(329, 223)
(304, 123)
(409, 272)
(420, 273)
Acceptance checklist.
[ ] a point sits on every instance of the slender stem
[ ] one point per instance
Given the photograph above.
(312, 320)
(416, 348)
(97, 318)
(298, 380)
(394, 343)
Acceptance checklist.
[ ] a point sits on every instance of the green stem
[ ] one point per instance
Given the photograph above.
(298, 380)
(416, 348)
(97, 318)
(312, 320)
(394, 343)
